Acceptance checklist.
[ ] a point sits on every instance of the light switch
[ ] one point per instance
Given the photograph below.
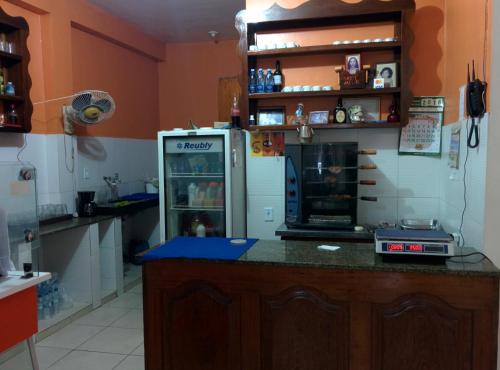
(86, 174)
(461, 103)
(268, 214)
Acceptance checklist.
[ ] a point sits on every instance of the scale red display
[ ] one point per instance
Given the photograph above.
(398, 247)
(416, 248)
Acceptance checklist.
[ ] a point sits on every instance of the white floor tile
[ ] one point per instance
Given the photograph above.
(103, 316)
(82, 360)
(115, 340)
(127, 300)
(71, 336)
(134, 319)
(139, 350)
(48, 356)
(131, 363)
(137, 289)
(18, 362)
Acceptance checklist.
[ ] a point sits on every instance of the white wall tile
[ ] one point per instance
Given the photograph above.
(384, 210)
(418, 208)
(418, 176)
(257, 227)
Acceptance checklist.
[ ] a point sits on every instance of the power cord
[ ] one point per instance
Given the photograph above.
(25, 144)
(465, 191)
(484, 257)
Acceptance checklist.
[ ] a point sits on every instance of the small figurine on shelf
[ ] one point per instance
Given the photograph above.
(393, 115)
(356, 114)
(299, 118)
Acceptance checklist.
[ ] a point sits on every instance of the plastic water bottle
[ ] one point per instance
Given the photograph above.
(261, 81)
(269, 88)
(252, 82)
(39, 305)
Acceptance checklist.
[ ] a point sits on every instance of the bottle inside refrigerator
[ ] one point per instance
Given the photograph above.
(202, 184)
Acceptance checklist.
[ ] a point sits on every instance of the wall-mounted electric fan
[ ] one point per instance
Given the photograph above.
(88, 108)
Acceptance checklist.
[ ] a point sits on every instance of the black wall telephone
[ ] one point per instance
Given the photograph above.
(476, 105)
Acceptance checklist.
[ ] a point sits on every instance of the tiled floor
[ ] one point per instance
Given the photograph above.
(108, 338)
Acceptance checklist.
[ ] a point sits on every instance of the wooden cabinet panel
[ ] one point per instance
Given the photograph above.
(200, 325)
(302, 329)
(421, 333)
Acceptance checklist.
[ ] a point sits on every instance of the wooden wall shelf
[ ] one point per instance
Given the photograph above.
(330, 126)
(315, 94)
(15, 70)
(319, 14)
(326, 49)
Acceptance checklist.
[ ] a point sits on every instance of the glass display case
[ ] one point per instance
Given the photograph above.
(19, 227)
(322, 185)
(202, 183)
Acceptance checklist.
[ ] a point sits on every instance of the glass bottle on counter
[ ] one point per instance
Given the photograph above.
(235, 114)
(278, 78)
(269, 81)
(340, 113)
(261, 81)
(252, 82)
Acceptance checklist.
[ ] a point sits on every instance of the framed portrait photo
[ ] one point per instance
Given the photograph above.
(273, 116)
(389, 72)
(319, 117)
(353, 63)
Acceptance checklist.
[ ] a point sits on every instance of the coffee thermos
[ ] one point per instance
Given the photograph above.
(86, 204)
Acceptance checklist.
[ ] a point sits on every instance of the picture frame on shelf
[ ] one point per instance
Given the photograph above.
(271, 116)
(353, 63)
(319, 117)
(389, 72)
(371, 107)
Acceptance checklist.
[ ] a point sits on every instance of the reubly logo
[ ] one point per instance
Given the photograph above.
(192, 146)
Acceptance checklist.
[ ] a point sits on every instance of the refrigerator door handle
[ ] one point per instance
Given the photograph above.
(235, 154)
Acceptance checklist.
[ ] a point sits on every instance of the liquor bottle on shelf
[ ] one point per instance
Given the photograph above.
(269, 81)
(2, 81)
(261, 81)
(12, 116)
(252, 82)
(235, 114)
(10, 89)
(340, 113)
(278, 78)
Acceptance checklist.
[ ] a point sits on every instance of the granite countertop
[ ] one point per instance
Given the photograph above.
(71, 224)
(357, 257)
(285, 231)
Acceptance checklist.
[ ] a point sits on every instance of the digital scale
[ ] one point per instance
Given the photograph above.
(430, 243)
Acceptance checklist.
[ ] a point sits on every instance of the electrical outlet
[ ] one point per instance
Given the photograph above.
(86, 174)
(268, 214)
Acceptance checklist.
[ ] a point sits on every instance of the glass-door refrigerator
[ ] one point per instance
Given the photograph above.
(202, 183)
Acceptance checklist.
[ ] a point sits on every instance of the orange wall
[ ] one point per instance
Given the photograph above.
(448, 34)
(189, 78)
(132, 80)
(110, 54)
(465, 24)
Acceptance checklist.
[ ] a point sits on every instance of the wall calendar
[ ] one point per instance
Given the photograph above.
(422, 134)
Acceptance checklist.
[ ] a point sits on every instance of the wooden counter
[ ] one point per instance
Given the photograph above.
(285, 305)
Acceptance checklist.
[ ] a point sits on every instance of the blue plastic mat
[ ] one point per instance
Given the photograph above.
(140, 196)
(200, 248)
